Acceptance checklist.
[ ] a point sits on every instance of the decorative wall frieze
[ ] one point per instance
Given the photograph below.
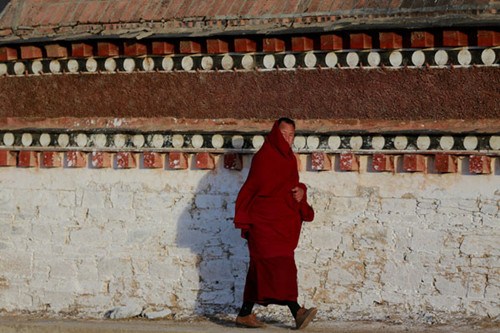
(343, 59)
(247, 142)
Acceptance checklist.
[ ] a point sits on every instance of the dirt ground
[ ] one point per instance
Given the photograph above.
(23, 324)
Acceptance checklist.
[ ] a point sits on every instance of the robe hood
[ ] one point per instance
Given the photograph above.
(277, 141)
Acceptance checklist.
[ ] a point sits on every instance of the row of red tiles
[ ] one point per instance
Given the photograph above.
(444, 163)
(36, 12)
(325, 42)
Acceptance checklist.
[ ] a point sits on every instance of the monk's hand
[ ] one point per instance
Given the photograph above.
(298, 193)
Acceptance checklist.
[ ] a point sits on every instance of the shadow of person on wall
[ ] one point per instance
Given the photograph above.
(206, 228)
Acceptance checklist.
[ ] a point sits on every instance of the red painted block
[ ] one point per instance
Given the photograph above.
(56, 51)
(273, 45)
(321, 161)
(205, 161)
(421, 39)
(390, 40)
(152, 160)
(189, 46)
(76, 159)
(161, 48)
(445, 163)
(455, 38)
(134, 49)
(51, 159)
(331, 42)
(125, 160)
(301, 44)
(27, 159)
(243, 45)
(382, 162)
(217, 46)
(349, 162)
(107, 49)
(82, 50)
(31, 52)
(177, 160)
(8, 53)
(360, 40)
(233, 161)
(480, 164)
(414, 163)
(100, 160)
(8, 158)
(487, 38)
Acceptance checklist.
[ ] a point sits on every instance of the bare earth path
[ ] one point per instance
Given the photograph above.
(20, 324)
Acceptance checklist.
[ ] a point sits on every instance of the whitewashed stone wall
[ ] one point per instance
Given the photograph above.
(405, 246)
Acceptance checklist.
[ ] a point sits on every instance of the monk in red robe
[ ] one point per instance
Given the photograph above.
(270, 209)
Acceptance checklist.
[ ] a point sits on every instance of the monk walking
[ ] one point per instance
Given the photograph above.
(270, 209)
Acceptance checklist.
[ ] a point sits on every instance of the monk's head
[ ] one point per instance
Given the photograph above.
(287, 128)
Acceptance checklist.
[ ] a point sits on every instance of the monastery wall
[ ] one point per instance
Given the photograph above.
(383, 246)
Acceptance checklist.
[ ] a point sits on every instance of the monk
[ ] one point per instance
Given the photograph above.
(270, 209)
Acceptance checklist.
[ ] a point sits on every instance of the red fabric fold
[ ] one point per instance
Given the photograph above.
(271, 219)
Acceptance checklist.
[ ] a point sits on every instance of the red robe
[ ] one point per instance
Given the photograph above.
(270, 219)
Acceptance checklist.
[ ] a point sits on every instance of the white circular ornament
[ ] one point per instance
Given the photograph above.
(374, 59)
(299, 142)
(447, 142)
(129, 65)
(37, 67)
(418, 58)
(148, 64)
(334, 142)
(423, 142)
(207, 63)
(19, 68)
(378, 142)
(81, 140)
(289, 61)
(91, 65)
(138, 140)
(217, 141)
(310, 60)
(45, 140)
(197, 141)
(55, 66)
(73, 66)
(331, 59)
(257, 141)
(227, 62)
(470, 142)
(400, 142)
(177, 141)
(63, 140)
(100, 140)
(110, 65)
(269, 61)
(187, 63)
(237, 141)
(247, 62)
(8, 139)
(356, 142)
(167, 63)
(26, 139)
(157, 141)
(352, 59)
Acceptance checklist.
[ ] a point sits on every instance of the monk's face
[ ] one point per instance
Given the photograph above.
(288, 132)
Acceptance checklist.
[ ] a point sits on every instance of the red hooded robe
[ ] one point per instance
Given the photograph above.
(270, 219)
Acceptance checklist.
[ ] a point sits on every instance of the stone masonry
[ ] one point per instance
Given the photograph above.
(383, 246)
